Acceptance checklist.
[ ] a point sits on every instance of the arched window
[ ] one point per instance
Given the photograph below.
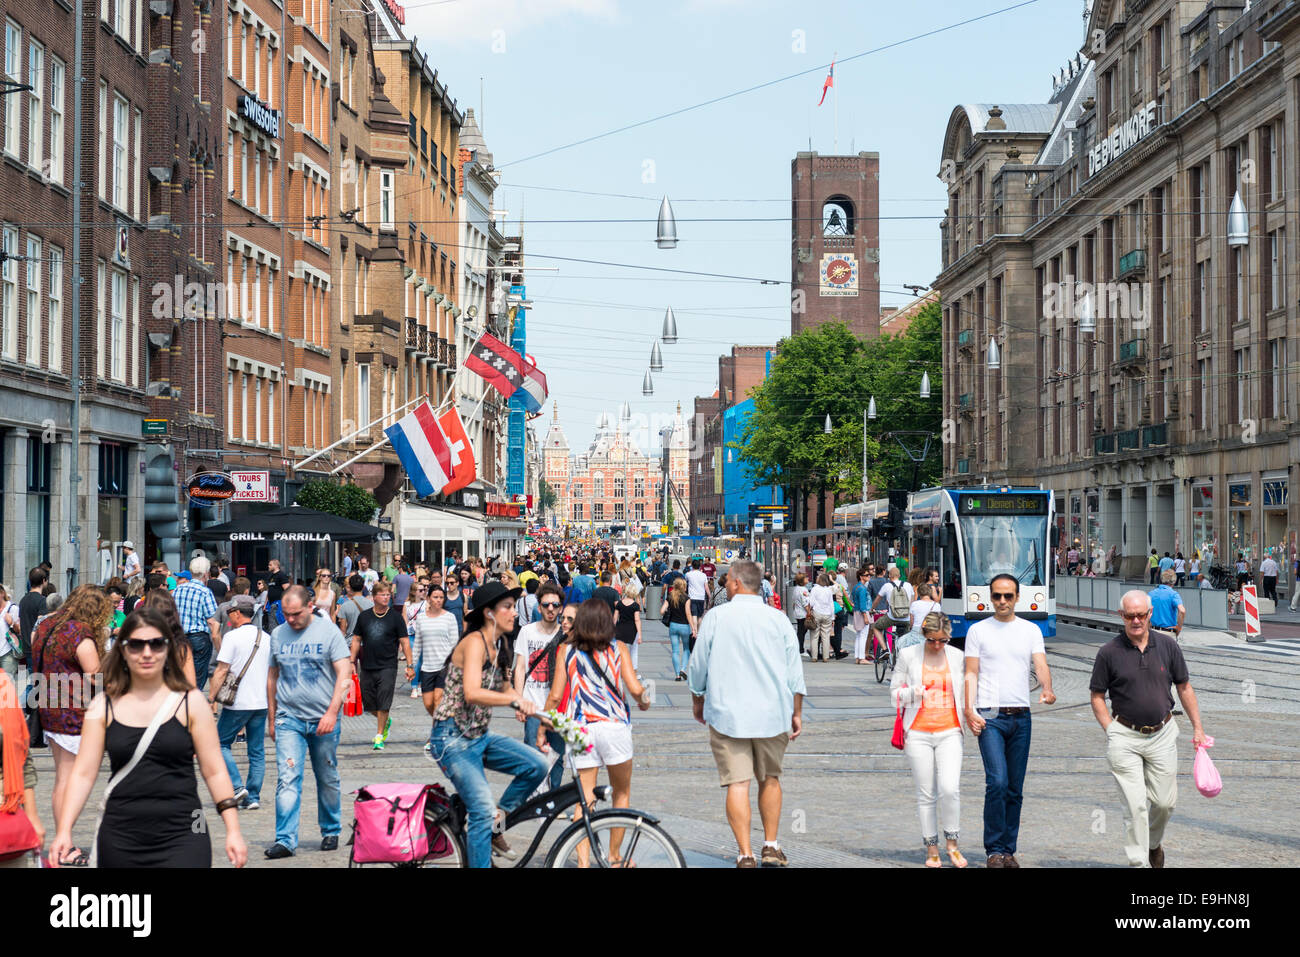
(837, 216)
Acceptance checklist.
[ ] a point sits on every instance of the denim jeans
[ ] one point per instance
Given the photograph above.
(294, 739)
(1004, 746)
(555, 740)
(680, 636)
(465, 761)
(201, 645)
(229, 725)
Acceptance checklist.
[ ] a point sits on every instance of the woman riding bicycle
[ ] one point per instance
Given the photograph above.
(461, 742)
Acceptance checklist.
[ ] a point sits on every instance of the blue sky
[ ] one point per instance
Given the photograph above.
(557, 71)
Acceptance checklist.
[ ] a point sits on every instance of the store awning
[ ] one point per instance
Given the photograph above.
(292, 524)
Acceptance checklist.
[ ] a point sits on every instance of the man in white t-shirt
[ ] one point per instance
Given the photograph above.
(130, 563)
(534, 660)
(697, 589)
(999, 654)
(246, 651)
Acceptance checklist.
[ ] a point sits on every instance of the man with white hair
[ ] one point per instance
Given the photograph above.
(197, 607)
(1135, 669)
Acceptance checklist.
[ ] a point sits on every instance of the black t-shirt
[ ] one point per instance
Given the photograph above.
(380, 638)
(219, 589)
(677, 613)
(275, 586)
(1138, 682)
(30, 607)
(607, 595)
(625, 627)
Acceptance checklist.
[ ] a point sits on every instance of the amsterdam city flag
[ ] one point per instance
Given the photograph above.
(499, 365)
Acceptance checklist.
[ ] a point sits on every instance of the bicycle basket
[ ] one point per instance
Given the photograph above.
(389, 823)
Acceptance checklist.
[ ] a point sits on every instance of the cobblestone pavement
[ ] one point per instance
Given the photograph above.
(849, 799)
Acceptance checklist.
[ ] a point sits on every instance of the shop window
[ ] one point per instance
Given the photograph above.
(112, 491)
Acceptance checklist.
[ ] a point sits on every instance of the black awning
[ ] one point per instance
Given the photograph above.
(292, 524)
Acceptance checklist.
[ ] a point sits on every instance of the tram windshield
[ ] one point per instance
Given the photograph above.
(1005, 544)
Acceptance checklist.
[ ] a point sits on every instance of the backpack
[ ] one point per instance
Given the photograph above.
(900, 606)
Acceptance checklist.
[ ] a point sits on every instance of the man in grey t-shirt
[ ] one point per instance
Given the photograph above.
(348, 611)
(309, 675)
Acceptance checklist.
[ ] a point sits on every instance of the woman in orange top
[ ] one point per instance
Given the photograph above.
(928, 685)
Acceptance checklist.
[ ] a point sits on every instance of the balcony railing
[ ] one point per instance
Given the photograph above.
(966, 401)
(1132, 349)
(412, 335)
(425, 340)
(451, 355)
(1128, 439)
(1103, 445)
(1155, 435)
(1132, 263)
(965, 338)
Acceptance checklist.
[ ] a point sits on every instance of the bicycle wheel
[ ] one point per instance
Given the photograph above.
(882, 662)
(639, 842)
(446, 849)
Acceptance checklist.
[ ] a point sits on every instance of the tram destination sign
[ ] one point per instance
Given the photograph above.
(1002, 504)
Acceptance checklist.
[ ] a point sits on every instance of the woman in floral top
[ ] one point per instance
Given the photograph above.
(461, 742)
(66, 649)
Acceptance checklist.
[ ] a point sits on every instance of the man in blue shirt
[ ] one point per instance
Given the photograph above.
(1165, 565)
(1167, 609)
(748, 686)
(673, 575)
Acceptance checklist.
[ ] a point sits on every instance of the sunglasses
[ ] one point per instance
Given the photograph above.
(1137, 617)
(941, 640)
(550, 604)
(1004, 596)
(136, 646)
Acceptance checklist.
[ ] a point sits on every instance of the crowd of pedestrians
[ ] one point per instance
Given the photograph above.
(169, 672)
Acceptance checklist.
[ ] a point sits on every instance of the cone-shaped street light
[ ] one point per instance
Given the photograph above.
(871, 408)
(1238, 224)
(669, 335)
(647, 384)
(925, 385)
(995, 355)
(1087, 320)
(625, 412)
(656, 358)
(827, 426)
(667, 234)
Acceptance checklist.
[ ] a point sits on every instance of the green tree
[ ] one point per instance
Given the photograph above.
(546, 497)
(895, 366)
(345, 501)
(669, 519)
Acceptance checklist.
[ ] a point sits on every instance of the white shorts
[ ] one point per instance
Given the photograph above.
(68, 742)
(611, 744)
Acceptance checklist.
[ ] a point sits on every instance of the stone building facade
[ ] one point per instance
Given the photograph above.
(1173, 425)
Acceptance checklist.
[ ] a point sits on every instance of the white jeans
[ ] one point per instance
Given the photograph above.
(1295, 598)
(936, 769)
(860, 643)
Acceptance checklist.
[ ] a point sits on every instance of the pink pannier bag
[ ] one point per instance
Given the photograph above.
(1204, 773)
(389, 825)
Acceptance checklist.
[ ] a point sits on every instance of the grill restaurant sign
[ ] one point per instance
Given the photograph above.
(1121, 138)
(280, 537)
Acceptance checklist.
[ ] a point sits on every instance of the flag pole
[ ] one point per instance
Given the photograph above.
(359, 455)
(364, 428)
(835, 105)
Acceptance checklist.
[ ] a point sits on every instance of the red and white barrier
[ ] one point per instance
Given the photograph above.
(1250, 608)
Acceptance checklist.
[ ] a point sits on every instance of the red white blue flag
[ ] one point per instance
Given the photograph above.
(830, 82)
(533, 390)
(423, 447)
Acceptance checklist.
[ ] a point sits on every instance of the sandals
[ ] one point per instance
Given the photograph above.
(934, 861)
(78, 859)
(957, 858)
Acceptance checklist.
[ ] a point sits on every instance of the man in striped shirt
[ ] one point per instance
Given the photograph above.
(436, 634)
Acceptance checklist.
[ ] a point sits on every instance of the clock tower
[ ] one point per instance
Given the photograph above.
(835, 242)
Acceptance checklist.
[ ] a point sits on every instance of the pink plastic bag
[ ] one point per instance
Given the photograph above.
(1204, 773)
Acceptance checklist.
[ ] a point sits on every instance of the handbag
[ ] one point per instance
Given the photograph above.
(17, 836)
(164, 714)
(230, 683)
(900, 733)
(1204, 773)
(352, 706)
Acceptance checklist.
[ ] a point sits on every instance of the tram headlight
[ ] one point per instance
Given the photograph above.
(974, 598)
(1040, 598)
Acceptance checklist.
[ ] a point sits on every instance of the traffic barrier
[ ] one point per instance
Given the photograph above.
(1250, 608)
(1206, 607)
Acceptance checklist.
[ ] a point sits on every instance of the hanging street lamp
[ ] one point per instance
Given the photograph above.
(1238, 224)
(666, 236)
(669, 335)
(656, 358)
(647, 384)
(995, 356)
(925, 385)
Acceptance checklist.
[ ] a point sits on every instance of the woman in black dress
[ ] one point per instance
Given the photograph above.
(153, 816)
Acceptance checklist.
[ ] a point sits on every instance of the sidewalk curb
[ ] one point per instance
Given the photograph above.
(1193, 637)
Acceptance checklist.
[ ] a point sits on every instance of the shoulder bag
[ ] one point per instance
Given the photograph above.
(164, 713)
(35, 733)
(230, 684)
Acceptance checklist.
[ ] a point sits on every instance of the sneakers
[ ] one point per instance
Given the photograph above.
(415, 692)
(378, 742)
(746, 860)
(249, 804)
(996, 860)
(388, 726)
(277, 851)
(240, 794)
(773, 856)
(330, 842)
(502, 848)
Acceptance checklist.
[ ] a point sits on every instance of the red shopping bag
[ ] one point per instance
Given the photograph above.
(900, 733)
(352, 703)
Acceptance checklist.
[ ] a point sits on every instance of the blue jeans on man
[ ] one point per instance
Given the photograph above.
(253, 723)
(1004, 746)
(465, 761)
(201, 645)
(679, 635)
(556, 742)
(294, 740)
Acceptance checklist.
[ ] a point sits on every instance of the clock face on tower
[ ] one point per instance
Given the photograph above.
(839, 275)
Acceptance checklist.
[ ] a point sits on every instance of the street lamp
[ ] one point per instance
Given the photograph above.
(669, 335)
(871, 408)
(995, 356)
(1238, 224)
(925, 385)
(647, 384)
(656, 358)
(826, 428)
(666, 236)
(1087, 321)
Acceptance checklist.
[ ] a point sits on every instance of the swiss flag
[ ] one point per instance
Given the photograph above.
(462, 451)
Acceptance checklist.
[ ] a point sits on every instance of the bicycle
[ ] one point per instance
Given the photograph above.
(598, 830)
(883, 652)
